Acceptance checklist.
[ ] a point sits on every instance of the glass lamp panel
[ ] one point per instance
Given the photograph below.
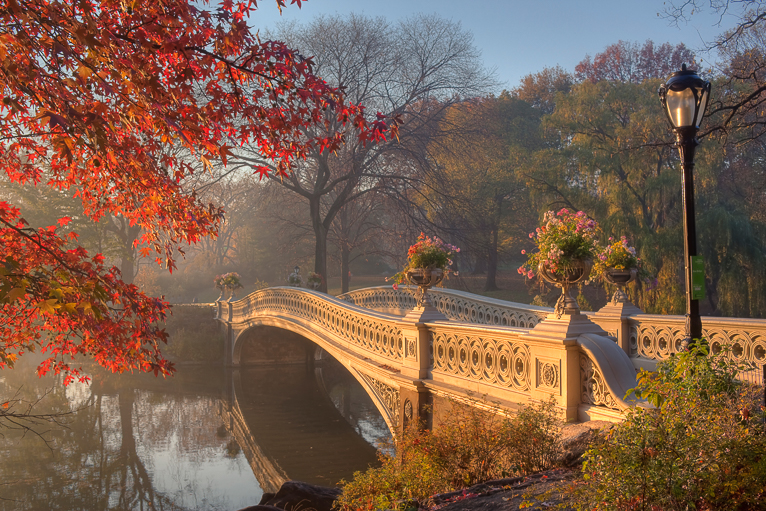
(703, 104)
(680, 105)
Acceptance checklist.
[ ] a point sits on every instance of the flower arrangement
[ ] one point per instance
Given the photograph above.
(565, 239)
(314, 280)
(618, 255)
(228, 281)
(295, 279)
(427, 253)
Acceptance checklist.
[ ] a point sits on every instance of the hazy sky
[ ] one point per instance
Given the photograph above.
(519, 37)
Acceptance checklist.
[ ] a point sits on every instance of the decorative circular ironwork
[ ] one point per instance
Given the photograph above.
(407, 409)
(549, 375)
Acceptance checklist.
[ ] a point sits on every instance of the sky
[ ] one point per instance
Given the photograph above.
(520, 37)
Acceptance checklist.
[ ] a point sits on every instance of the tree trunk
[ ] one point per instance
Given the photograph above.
(128, 260)
(320, 246)
(345, 277)
(491, 282)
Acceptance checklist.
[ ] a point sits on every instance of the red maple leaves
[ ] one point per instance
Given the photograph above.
(121, 102)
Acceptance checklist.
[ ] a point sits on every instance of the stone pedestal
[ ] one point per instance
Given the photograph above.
(614, 318)
(417, 340)
(415, 404)
(555, 362)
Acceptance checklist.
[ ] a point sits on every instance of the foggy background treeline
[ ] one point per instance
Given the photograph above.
(478, 168)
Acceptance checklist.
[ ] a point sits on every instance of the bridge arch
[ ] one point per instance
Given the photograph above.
(422, 358)
(289, 427)
(379, 381)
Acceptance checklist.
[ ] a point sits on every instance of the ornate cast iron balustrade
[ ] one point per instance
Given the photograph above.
(477, 351)
(657, 337)
(487, 346)
(455, 305)
(498, 357)
(653, 337)
(368, 330)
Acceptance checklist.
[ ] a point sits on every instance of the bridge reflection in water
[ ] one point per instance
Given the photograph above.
(310, 421)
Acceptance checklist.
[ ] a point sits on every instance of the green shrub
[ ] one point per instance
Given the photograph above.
(472, 444)
(703, 446)
(407, 475)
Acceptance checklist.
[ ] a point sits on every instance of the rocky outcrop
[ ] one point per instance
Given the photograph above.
(298, 496)
(544, 490)
(577, 438)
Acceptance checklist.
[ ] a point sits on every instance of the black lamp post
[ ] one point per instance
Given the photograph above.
(684, 97)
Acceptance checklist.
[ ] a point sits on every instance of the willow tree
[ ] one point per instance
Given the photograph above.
(618, 164)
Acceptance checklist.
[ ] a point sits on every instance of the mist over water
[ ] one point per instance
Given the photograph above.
(199, 440)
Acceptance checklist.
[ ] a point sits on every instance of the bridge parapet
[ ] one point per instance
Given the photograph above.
(655, 337)
(413, 357)
(646, 338)
(455, 305)
(374, 333)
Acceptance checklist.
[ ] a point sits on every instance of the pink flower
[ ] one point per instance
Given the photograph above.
(396, 286)
(523, 251)
(530, 274)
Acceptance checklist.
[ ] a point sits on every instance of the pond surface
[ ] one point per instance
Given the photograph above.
(204, 439)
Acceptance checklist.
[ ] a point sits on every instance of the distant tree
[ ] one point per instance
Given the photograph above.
(540, 89)
(358, 232)
(630, 62)
(478, 193)
(412, 71)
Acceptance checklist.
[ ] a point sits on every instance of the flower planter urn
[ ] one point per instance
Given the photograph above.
(620, 278)
(579, 271)
(424, 278)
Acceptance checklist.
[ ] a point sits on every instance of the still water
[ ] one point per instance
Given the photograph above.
(205, 439)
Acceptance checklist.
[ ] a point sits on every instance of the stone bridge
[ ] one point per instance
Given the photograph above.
(471, 348)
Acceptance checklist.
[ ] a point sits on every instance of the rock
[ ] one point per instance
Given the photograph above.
(543, 490)
(266, 497)
(576, 438)
(298, 496)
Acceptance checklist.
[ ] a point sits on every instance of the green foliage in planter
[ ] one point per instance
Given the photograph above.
(469, 446)
(703, 446)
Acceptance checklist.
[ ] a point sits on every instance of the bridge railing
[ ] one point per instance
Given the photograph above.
(473, 357)
(657, 337)
(455, 305)
(566, 358)
(649, 337)
(376, 333)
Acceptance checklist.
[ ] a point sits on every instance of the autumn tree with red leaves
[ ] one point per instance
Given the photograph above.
(630, 62)
(119, 103)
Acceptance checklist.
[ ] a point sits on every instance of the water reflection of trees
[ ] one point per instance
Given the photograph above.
(98, 461)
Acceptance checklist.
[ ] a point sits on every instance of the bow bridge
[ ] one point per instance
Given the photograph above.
(472, 348)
